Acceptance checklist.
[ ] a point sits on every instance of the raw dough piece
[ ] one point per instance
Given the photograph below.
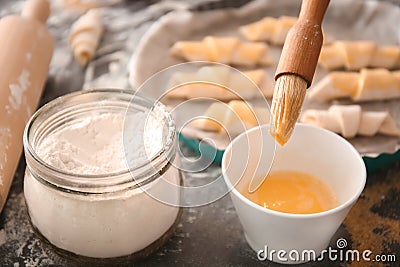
(269, 29)
(367, 85)
(350, 121)
(232, 118)
(223, 77)
(359, 54)
(85, 36)
(83, 5)
(226, 50)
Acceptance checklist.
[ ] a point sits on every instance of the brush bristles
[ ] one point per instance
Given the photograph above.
(289, 94)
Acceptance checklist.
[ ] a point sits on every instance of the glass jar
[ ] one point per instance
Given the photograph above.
(108, 215)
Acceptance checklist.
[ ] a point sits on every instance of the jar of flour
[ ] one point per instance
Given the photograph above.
(101, 179)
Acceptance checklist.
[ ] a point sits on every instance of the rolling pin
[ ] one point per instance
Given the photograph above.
(26, 49)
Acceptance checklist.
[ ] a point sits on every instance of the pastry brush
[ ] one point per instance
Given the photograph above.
(296, 68)
(295, 72)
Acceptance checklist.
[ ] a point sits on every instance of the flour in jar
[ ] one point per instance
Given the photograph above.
(103, 143)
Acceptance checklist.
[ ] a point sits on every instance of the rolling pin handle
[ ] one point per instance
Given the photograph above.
(36, 9)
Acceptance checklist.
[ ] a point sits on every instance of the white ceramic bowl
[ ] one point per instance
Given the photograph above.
(311, 150)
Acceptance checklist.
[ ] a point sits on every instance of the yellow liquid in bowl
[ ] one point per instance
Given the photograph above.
(293, 192)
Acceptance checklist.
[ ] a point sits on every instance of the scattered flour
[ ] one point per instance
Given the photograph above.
(28, 57)
(103, 143)
(17, 90)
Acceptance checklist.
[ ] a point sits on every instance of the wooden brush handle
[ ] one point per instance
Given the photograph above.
(303, 42)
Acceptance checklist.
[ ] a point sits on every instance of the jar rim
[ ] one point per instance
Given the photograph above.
(118, 177)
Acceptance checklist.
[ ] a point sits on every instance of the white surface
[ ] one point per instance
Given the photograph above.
(312, 150)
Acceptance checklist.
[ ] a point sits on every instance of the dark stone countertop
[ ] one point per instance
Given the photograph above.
(205, 236)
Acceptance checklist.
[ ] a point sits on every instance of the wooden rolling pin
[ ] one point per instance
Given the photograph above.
(26, 49)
